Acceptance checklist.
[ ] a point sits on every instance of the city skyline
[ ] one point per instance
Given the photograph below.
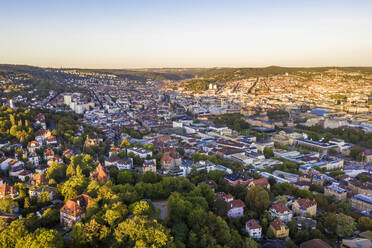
(143, 34)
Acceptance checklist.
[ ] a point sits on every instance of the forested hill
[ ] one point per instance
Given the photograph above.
(219, 74)
(179, 74)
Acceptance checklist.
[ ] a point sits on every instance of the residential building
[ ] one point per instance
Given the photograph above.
(262, 182)
(24, 175)
(40, 120)
(52, 141)
(279, 228)
(120, 163)
(236, 178)
(224, 196)
(357, 187)
(304, 207)
(114, 151)
(32, 146)
(315, 243)
(361, 202)
(141, 152)
(316, 145)
(167, 162)
(125, 164)
(74, 210)
(37, 179)
(48, 154)
(305, 223)
(8, 190)
(253, 229)
(281, 212)
(34, 159)
(37, 191)
(235, 208)
(149, 165)
(356, 243)
(334, 190)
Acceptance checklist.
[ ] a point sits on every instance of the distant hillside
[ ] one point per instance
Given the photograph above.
(219, 74)
(179, 74)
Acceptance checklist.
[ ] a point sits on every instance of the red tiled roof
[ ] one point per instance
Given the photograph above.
(33, 143)
(51, 138)
(49, 152)
(263, 182)
(236, 204)
(278, 224)
(166, 159)
(280, 208)
(306, 203)
(76, 206)
(315, 243)
(252, 224)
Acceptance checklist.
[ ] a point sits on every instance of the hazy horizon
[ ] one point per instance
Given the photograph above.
(181, 68)
(185, 34)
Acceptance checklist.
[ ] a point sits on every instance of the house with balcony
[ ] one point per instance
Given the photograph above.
(281, 212)
(253, 228)
(149, 165)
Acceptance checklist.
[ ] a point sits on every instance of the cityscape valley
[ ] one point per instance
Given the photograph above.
(186, 124)
(186, 157)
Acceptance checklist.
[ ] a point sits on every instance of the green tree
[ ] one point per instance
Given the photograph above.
(290, 244)
(13, 233)
(125, 176)
(250, 243)
(345, 226)
(220, 207)
(74, 186)
(293, 227)
(354, 152)
(7, 204)
(270, 234)
(143, 232)
(56, 171)
(364, 223)
(268, 152)
(302, 236)
(180, 231)
(90, 234)
(331, 223)
(42, 238)
(363, 177)
(258, 199)
(316, 234)
(50, 218)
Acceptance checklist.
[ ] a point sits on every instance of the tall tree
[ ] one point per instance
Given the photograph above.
(258, 198)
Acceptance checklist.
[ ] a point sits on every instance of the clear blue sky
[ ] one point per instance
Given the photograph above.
(128, 34)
